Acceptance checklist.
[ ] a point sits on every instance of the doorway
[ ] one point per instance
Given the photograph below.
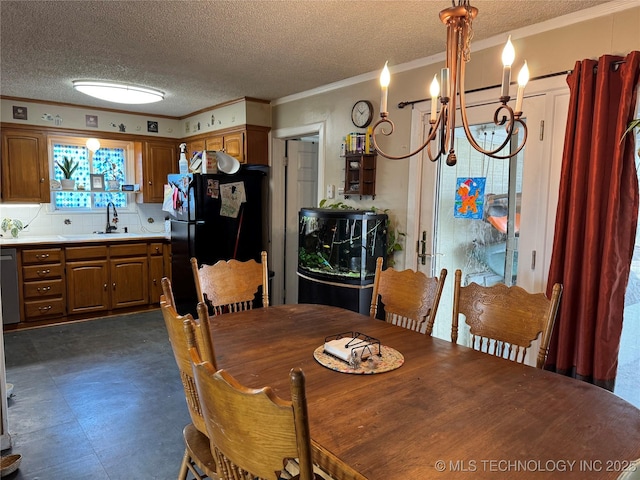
(477, 245)
(297, 177)
(301, 190)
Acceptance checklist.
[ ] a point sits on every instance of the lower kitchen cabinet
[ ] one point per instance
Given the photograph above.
(42, 278)
(156, 271)
(106, 277)
(74, 281)
(129, 282)
(87, 286)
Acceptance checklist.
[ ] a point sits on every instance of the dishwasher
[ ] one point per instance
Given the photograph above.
(9, 286)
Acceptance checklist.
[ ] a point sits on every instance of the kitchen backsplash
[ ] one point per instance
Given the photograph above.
(39, 220)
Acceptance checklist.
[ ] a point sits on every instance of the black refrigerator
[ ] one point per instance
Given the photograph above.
(214, 217)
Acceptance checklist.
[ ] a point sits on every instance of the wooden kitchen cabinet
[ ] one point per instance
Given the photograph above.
(248, 145)
(25, 168)
(106, 277)
(194, 146)
(129, 282)
(159, 158)
(87, 271)
(60, 282)
(231, 143)
(42, 281)
(156, 271)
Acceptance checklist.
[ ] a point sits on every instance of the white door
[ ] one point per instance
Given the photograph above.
(482, 247)
(301, 191)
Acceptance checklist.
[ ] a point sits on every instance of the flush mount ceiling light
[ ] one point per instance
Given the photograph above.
(118, 92)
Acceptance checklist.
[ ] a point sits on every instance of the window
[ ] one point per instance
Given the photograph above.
(114, 160)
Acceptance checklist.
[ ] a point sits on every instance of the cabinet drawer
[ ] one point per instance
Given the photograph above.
(36, 309)
(45, 288)
(129, 250)
(155, 249)
(41, 272)
(84, 253)
(45, 255)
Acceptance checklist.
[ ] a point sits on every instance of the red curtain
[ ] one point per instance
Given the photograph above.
(596, 219)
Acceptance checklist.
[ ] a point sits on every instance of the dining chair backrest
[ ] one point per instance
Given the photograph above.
(253, 431)
(231, 286)
(410, 298)
(179, 344)
(504, 321)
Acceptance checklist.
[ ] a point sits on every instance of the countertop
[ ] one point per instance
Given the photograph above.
(23, 240)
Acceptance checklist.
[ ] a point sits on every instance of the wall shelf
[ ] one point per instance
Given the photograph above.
(360, 174)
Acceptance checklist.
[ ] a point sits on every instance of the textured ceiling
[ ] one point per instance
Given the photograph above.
(203, 53)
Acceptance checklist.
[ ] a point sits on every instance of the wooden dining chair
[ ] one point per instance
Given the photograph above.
(197, 448)
(253, 432)
(231, 286)
(410, 298)
(504, 321)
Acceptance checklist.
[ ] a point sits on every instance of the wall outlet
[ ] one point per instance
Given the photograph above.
(331, 191)
(340, 191)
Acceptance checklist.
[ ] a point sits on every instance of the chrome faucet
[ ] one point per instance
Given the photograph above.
(111, 228)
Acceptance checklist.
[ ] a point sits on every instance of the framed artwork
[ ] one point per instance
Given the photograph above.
(97, 182)
(152, 127)
(469, 199)
(91, 121)
(19, 113)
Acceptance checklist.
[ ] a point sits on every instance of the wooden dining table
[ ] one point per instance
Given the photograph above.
(447, 412)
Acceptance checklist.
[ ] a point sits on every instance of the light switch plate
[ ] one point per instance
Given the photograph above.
(331, 191)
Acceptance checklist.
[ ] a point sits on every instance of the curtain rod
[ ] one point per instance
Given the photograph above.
(540, 77)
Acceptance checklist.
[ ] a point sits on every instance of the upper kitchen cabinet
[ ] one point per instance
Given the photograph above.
(159, 159)
(249, 144)
(195, 146)
(25, 169)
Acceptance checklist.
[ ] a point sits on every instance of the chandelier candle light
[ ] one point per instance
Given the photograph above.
(458, 19)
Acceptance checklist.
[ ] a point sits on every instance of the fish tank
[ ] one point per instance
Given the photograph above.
(337, 253)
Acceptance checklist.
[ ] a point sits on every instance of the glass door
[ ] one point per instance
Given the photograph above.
(472, 214)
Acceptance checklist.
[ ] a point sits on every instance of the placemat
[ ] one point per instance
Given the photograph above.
(390, 360)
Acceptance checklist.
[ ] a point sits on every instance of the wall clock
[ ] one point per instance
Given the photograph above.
(362, 113)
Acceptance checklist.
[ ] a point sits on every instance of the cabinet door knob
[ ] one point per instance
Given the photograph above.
(105, 286)
(157, 250)
(150, 183)
(42, 180)
(155, 282)
(114, 285)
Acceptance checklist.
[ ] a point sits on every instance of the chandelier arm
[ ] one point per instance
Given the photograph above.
(510, 122)
(430, 137)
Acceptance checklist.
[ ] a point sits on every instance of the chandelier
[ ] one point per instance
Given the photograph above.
(440, 140)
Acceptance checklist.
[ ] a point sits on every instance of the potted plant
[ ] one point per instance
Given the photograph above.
(12, 225)
(68, 166)
(114, 175)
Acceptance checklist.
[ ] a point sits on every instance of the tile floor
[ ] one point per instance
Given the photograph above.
(99, 399)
